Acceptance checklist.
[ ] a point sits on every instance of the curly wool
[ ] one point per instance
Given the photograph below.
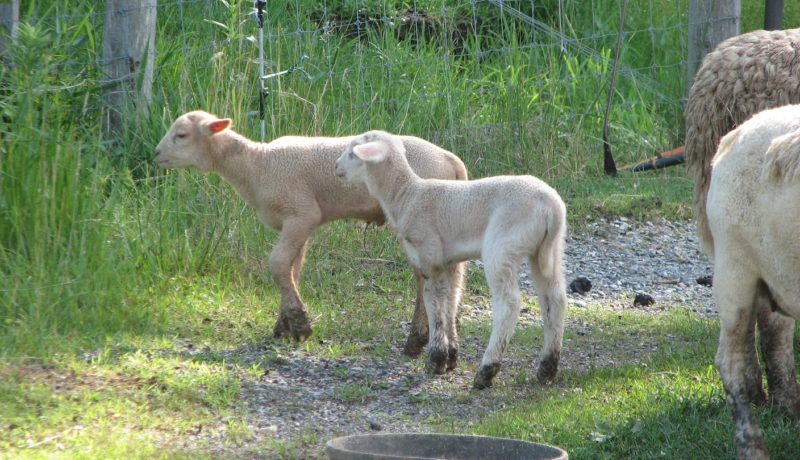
(741, 77)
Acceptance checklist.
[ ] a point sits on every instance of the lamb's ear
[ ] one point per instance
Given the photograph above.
(217, 126)
(373, 152)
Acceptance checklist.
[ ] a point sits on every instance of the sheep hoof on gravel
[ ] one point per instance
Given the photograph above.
(503, 220)
(291, 185)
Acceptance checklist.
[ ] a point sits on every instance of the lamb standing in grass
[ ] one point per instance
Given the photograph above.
(503, 220)
(753, 215)
(290, 183)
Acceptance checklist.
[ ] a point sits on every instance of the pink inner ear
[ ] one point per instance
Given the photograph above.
(371, 151)
(219, 125)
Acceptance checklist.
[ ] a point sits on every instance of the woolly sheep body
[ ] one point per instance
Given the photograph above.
(291, 185)
(503, 220)
(742, 76)
(753, 210)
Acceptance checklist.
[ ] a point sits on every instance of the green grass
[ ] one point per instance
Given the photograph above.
(666, 404)
(126, 291)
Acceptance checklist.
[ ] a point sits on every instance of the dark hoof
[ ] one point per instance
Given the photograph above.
(483, 379)
(437, 362)
(548, 369)
(414, 344)
(297, 328)
(452, 358)
(281, 328)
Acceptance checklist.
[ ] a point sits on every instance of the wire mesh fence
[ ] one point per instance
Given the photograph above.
(446, 69)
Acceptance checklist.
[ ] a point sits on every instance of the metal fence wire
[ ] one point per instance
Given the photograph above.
(296, 35)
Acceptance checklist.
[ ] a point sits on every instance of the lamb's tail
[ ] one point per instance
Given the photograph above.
(459, 168)
(550, 253)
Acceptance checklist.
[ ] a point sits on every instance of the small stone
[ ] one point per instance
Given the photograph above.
(580, 285)
(643, 300)
(375, 426)
(706, 280)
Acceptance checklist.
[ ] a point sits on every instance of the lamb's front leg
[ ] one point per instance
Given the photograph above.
(284, 262)
(434, 292)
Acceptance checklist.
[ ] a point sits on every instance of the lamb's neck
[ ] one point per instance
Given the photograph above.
(238, 160)
(393, 187)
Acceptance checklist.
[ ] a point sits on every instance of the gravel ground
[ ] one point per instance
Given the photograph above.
(305, 400)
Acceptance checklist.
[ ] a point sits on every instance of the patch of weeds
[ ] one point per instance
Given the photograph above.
(342, 372)
(357, 392)
(237, 431)
(520, 378)
(332, 349)
(255, 371)
(302, 446)
(422, 397)
(277, 359)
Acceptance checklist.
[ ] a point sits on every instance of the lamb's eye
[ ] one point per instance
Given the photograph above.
(181, 135)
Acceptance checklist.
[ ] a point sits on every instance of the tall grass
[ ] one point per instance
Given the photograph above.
(91, 233)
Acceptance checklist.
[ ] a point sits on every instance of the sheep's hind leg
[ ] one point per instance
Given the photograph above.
(288, 251)
(776, 338)
(736, 358)
(434, 293)
(552, 296)
(506, 301)
(418, 336)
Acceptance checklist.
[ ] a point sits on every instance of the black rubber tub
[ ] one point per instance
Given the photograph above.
(438, 446)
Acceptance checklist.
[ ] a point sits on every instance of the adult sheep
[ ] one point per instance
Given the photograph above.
(742, 76)
(753, 215)
(291, 184)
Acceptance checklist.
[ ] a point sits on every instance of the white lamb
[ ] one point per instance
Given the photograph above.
(503, 220)
(753, 212)
(291, 185)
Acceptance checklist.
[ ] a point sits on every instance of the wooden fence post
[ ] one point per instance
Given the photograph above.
(773, 15)
(710, 22)
(9, 23)
(128, 59)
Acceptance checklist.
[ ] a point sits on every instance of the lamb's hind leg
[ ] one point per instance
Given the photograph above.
(776, 338)
(284, 263)
(501, 275)
(736, 358)
(552, 296)
(434, 292)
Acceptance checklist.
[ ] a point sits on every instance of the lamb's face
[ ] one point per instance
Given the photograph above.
(186, 144)
(367, 148)
(349, 166)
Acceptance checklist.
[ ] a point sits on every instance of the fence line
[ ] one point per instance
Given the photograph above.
(295, 31)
